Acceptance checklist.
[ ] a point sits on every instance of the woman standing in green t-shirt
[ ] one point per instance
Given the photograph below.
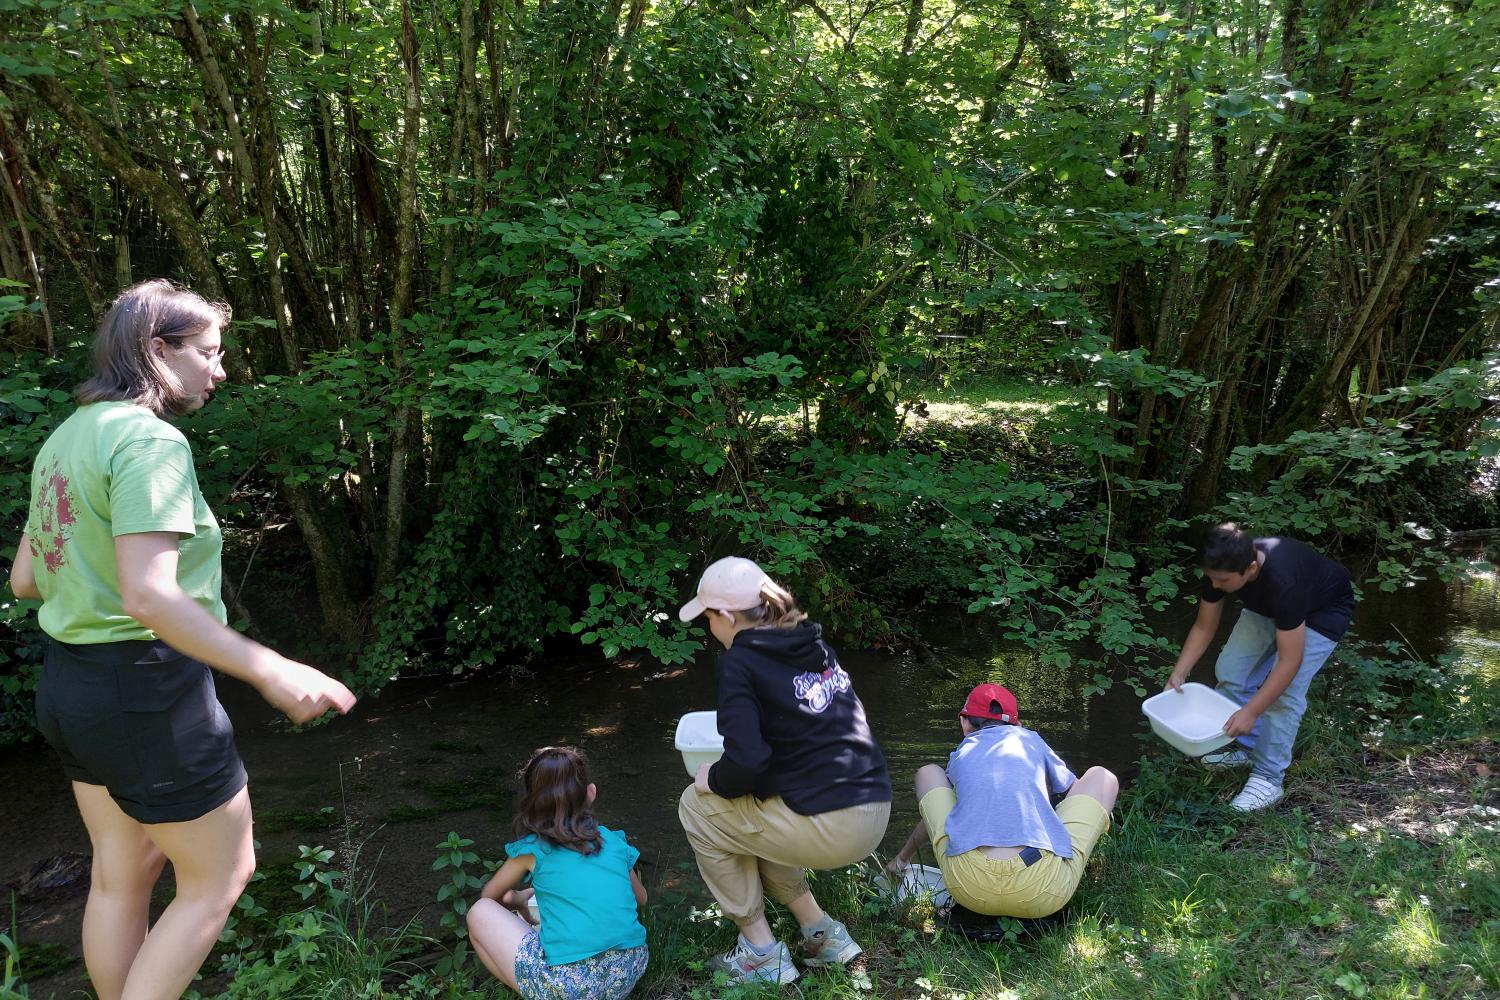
(124, 554)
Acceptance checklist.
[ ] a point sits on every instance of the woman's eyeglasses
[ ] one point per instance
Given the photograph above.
(211, 355)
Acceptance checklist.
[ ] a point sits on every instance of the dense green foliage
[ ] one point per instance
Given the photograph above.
(538, 308)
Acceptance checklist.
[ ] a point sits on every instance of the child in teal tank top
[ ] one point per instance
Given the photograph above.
(590, 944)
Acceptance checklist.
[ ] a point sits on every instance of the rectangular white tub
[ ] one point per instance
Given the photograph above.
(698, 740)
(1192, 720)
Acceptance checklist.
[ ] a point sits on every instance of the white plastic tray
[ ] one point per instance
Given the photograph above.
(698, 740)
(916, 880)
(1193, 720)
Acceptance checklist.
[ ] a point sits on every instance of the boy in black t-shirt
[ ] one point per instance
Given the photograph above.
(1298, 604)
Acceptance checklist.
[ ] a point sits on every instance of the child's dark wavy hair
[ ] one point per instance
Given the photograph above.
(555, 800)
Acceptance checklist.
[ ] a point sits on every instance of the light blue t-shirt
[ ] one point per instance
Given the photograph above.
(586, 901)
(1002, 775)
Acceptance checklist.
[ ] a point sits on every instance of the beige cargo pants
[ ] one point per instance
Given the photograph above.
(746, 847)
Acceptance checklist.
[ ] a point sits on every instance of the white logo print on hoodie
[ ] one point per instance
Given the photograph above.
(818, 689)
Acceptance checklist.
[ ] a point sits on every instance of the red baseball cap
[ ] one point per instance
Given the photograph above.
(991, 701)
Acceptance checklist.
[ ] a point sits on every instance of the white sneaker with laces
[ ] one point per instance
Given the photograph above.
(743, 964)
(1230, 756)
(1258, 793)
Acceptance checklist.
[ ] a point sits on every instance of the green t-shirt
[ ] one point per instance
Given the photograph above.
(114, 469)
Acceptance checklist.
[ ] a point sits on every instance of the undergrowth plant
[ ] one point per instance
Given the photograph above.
(11, 985)
(337, 947)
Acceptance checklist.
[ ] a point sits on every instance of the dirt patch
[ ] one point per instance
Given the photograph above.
(1427, 794)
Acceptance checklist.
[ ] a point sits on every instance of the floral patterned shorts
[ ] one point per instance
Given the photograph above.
(609, 975)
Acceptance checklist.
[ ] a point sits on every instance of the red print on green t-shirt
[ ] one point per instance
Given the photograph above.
(54, 520)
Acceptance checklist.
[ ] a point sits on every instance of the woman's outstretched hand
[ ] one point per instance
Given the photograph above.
(303, 693)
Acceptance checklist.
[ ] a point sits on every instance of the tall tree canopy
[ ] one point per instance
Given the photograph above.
(518, 285)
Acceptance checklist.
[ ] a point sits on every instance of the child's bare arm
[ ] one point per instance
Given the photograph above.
(510, 875)
(909, 849)
(638, 886)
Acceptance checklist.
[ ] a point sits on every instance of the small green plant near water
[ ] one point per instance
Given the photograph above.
(11, 986)
(337, 946)
(454, 856)
(461, 886)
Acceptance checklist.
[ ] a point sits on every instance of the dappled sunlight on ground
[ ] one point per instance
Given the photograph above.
(1425, 797)
(971, 403)
(1414, 938)
(972, 411)
(1088, 946)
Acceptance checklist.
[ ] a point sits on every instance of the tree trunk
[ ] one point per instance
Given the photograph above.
(167, 201)
(331, 565)
(267, 158)
(1398, 262)
(403, 425)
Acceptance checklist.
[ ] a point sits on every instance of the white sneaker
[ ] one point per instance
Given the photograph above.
(1258, 793)
(743, 965)
(1232, 756)
(830, 946)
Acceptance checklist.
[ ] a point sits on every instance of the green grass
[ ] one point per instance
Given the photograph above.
(1376, 877)
(482, 788)
(1185, 899)
(281, 820)
(45, 959)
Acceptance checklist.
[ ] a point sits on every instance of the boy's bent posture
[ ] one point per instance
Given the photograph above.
(1003, 850)
(1298, 604)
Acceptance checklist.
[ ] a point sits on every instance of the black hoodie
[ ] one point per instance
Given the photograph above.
(793, 726)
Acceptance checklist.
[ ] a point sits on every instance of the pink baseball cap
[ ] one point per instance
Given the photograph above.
(731, 584)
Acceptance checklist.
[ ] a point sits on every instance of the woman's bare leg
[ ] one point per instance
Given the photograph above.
(125, 869)
(213, 858)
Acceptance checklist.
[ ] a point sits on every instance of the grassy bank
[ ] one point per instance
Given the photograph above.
(1376, 877)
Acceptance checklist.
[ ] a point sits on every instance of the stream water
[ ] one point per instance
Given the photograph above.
(428, 757)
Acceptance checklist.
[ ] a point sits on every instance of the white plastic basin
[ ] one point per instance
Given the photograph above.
(1193, 720)
(916, 880)
(698, 740)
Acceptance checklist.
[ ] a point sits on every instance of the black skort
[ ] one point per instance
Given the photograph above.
(144, 721)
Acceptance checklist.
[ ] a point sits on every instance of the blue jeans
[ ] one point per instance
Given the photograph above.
(1243, 666)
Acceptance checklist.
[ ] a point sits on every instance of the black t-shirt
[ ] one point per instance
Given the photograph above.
(1297, 585)
(793, 725)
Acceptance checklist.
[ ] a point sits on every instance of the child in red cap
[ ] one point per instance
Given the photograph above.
(1003, 850)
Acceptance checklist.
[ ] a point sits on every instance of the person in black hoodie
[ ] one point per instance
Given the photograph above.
(802, 783)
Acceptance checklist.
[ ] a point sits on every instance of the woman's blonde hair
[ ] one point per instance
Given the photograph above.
(777, 608)
(125, 367)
